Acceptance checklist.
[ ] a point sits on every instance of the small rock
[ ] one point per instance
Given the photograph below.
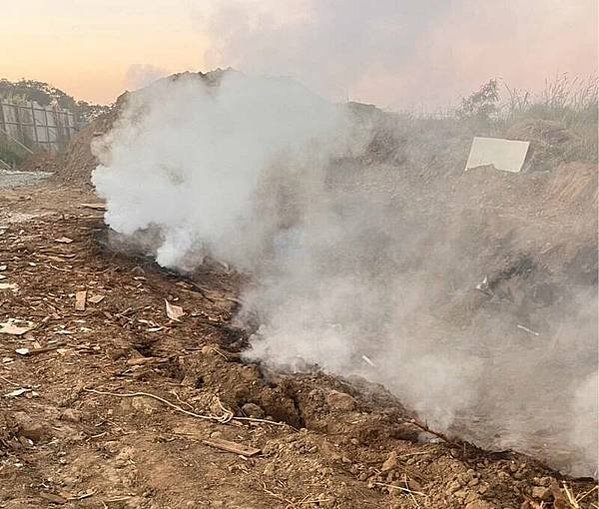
(341, 401)
(543, 481)
(453, 487)
(71, 415)
(390, 463)
(460, 494)
(253, 410)
(142, 404)
(542, 493)
(269, 470)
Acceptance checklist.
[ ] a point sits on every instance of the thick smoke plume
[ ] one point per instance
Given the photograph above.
(268, 177)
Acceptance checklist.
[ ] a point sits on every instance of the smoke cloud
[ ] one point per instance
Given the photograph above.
(142, 75)
(351, 271)
(402, 54)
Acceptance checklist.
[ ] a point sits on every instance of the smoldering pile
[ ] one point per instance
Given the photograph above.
(364, 243)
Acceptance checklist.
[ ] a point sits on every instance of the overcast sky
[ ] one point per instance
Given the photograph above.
(395, 53)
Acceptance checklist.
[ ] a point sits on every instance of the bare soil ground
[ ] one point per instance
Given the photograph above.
(78, 437)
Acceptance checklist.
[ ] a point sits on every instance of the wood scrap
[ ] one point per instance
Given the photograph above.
(15, 327)
(226, 445)
(93, 206)
(173, 312)
(96, 299)
(80, 299)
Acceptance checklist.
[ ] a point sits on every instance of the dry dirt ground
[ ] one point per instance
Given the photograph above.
(78, 436)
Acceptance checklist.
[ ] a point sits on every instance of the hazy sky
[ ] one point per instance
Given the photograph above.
(396, 53)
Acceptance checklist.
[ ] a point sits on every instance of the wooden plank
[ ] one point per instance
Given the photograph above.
(225, 445)
(80, 298)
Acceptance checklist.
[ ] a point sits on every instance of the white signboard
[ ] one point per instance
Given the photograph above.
(505, 155)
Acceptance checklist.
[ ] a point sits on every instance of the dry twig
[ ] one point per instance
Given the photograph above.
(225, 418)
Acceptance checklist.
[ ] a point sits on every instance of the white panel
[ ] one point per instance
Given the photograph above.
(505, 155)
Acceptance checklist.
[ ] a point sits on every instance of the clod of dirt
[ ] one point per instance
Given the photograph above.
(253, 410)
(341, 401)
(390, 463)
(480, 504)
(27, 427)
(71, 415)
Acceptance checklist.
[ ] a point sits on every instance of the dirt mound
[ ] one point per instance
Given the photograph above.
(78, 162)
(551, 144)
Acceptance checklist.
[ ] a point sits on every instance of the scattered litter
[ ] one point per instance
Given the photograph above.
(173, 312)
(505, 155)
(63, 240)
(483, 286)
(80, 298)
(225, 445)
(367, 361)
(12, 327)
(41, 349)
(96, 299)
(9, 286)
(526, 329)
(17, 392)
(3, 268)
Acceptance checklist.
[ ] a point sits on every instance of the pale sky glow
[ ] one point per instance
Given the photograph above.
(395, 53)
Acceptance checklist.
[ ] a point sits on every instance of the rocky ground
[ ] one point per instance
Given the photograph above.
(134, 395)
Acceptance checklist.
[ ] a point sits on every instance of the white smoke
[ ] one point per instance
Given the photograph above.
(264, 175)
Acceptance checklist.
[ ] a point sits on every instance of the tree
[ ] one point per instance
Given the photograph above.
(481, 105)
(47, 95)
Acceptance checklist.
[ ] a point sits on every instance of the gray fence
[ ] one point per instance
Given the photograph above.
(36, 126)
